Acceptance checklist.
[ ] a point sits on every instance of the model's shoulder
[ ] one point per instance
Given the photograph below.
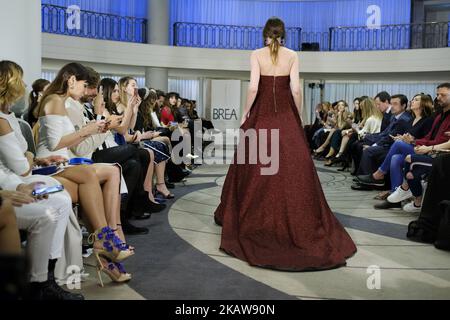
(257, 52)
(291, 53)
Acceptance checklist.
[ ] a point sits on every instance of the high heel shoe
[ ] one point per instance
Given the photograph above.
(115, 271)
(165, 196)
(112, 246)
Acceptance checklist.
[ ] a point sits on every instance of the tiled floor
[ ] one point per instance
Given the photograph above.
(407, 270)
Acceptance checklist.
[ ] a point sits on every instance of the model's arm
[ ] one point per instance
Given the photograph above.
(253, 87)
(295, 85)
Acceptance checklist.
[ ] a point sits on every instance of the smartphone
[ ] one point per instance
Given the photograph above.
(47, 190)
(136, 91)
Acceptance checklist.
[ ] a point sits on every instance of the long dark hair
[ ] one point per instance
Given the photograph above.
(273, 30)
(426, 103)
(38, 86)
(147, 106)
(173, 109)
(108, 85)
(60, 85)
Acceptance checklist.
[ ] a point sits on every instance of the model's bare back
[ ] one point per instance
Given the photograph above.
(286, 58)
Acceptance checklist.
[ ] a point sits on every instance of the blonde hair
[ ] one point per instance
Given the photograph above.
(123, 83)
(369, 109)
(12, 87)
(273, 30)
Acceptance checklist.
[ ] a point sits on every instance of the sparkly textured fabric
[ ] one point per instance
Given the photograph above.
(280, 221)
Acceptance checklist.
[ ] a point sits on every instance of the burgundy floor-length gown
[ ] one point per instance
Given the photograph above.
(280, 221)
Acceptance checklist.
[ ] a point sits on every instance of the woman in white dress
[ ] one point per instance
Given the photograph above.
(95, 187)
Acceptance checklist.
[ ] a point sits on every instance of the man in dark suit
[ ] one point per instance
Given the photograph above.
(374, 154)
(383, 103)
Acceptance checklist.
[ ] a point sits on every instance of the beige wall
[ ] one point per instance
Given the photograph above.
(235, 63)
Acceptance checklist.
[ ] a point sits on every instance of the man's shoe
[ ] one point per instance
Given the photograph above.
(50, 290)
(141, 215)
(387, 205)
(361, 187)
(369, 180)
(153, 207)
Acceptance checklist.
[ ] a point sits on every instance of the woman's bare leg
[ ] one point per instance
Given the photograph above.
(345, 140)
(160, 169)
(89, 194)
(148, 183)
(109, 178)
(327, 141)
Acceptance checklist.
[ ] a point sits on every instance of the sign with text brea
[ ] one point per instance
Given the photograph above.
(225, 104)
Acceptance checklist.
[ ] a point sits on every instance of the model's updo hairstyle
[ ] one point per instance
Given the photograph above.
(274, 30)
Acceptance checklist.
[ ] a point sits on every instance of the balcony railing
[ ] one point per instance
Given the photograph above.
(94, 25)
(390, 37)
(129, 29)
(186, 34)
(387, 37)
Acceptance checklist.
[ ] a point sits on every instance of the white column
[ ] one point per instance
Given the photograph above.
(20, 37)
(157, 33)
(157, 78)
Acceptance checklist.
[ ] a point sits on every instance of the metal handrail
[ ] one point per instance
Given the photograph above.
(222, 36)
(94, 25)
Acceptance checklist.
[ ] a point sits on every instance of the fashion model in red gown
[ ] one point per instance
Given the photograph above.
(280, 221)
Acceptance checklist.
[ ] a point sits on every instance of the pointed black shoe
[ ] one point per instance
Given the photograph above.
(361, 187)
(50, 290)
(153, 207)
(388, 205)
(369, 180)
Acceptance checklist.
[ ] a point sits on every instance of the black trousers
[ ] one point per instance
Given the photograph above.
(438, 189)
(372, 158)
(134, 162)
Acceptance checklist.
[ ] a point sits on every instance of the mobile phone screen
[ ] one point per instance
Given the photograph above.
(47, 190)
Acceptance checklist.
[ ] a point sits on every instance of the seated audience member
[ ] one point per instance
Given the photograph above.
(374, 154)
(431, 219)
(357, 112)
(168, 110)
(416, 128)
(334, 139)
(101, 210)
(39, 87)
(369, 124)
(142, 195)
(97, 144)
(382, 101)
(435, 141)
(46, 221)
